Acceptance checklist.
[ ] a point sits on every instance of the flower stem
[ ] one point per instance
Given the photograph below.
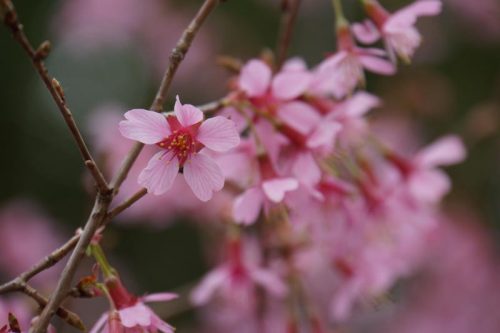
(340, 19)
(103, 262)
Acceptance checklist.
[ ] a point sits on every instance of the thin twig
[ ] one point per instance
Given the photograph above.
(61, 291)
(68, 316)
(126, 203)
(47, 262)
(53, 86)
(103, 200)
(176, 57)
(289, 9)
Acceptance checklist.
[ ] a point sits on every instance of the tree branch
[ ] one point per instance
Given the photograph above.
(68, 316)
(289, 9)
(37, 56)
(103, 200)
(176, 57)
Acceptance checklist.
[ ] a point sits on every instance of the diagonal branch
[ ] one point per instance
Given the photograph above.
(176, 57)
(37, 56)
(289, 9)
(103, 200)
(47, 262)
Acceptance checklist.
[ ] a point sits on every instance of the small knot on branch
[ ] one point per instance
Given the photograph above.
(59, 90)
(43, 51)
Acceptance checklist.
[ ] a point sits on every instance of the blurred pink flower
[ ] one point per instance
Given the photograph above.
(182, 137)
(26, 236)
(237, 278)
(398, 29)
(342, 72)
(457, 290)
(426, 183)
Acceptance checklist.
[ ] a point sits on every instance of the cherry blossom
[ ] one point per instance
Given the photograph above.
(130, 313)
(397, 29)
(181, 137)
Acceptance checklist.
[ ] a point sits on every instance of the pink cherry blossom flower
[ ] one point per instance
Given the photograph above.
(398, 29)
(181, 137)
(341, 73)
(425, 182)
(130, 314)
(236, 279)
(264, 185)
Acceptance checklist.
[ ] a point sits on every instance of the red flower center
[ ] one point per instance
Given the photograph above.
(181, 143)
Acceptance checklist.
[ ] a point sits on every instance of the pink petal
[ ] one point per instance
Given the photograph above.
(137, 314)
(255, 78)
(187, 114)
(366, 32)
(159, 297)
(207, 287)
(160, 173)
(276, 189)
(300, 116)
(144, 126)
(306, 170)
(219, 134)
(447, 150)
(359, 104)
(269, 281)
(408, 15)
(203, 176)
(295, 64)
(288, 85)
(246, 206)
(159, 324)
(377, 65)
(324, 135)
(100, 323)
(429, 186)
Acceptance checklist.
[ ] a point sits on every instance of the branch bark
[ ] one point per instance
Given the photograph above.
(290, 9)
(103, 200)
(37, 56)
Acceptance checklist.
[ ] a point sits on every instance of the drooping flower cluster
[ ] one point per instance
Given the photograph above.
(335, 214)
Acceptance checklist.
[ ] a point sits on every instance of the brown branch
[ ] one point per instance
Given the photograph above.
(37, 56)
(290, 9)
(126, 203)
(68, 316)
(175, 59)
(47, 262)
(103, 200)
(61, 291)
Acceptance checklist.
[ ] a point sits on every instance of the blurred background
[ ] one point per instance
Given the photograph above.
(109, 56)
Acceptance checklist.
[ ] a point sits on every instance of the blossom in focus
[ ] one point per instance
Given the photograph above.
(157, 210)
(131, 313)
(397, 29)
(181, 137)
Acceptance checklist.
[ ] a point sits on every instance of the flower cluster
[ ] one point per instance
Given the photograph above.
(322, 212)
(339, 214)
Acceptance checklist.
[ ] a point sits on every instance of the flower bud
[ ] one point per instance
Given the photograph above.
(43, 51)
